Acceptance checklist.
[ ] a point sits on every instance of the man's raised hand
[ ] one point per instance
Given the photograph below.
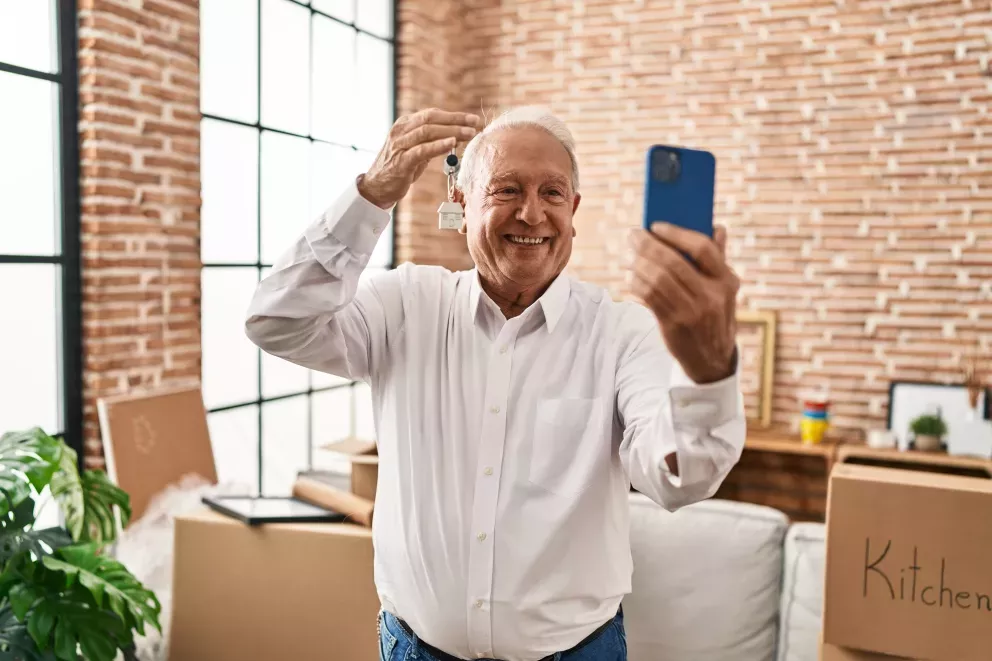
(413, 141)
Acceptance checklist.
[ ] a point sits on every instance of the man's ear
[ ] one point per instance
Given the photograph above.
(575, 203)
(460, 199)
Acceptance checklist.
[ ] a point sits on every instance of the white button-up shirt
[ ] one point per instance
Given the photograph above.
(507, 447)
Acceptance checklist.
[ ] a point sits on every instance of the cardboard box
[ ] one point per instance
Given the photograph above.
(834, 653)
(364, 460)
(152, 440)
(282, 591)
(908, 570)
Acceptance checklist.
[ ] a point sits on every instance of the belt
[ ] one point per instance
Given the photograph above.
(444, 656)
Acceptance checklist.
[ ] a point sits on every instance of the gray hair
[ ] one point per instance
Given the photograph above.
(525, 116)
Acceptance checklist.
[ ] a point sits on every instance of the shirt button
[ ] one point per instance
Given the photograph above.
(375, 230)
(503, 349)
(481, 536)
(495, 409)
(488, 471)
(478, 603)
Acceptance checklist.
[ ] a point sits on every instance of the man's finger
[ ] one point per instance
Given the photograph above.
(431, 132)
(720, 237)
(665, 256)
(703, 250)
(428, 150)
(647, 295)
(438, 116)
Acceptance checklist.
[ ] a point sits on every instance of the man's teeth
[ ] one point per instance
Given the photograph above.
(527, 239)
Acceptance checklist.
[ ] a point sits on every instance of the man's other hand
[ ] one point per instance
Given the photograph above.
(694, 304)
(413, 141)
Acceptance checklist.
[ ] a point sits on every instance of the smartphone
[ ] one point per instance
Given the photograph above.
(679, 188)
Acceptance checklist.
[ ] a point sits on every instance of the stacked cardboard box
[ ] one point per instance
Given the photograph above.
(279, 591)
(909, 566)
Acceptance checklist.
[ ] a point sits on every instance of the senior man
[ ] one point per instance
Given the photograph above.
(514, 405)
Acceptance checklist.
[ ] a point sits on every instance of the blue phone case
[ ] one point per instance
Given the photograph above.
(679, 188)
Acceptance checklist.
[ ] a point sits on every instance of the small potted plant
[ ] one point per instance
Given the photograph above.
(928, 432)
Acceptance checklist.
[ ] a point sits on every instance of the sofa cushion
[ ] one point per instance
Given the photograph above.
(706, 581)
(802, 592)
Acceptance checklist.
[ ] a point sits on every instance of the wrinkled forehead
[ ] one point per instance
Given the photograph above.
(523, 152)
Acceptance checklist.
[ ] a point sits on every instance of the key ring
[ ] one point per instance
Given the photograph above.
(450, 214)
(451, 167)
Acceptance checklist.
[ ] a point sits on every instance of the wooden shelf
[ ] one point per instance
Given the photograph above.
(770, 442)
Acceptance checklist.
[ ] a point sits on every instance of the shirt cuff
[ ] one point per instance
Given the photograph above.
(704, 406)
(353, 221)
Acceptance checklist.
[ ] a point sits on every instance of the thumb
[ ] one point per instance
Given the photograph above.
(720, 236)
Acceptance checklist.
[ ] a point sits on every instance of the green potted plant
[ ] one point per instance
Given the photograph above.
(928, 432)
(62, 597)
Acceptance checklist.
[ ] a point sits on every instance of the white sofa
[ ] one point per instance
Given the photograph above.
(723, 581)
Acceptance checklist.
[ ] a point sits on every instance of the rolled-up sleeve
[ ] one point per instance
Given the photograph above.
(664, 413)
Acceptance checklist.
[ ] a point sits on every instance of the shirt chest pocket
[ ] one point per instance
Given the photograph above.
(571, 445)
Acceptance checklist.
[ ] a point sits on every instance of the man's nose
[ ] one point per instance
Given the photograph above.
(531, 211)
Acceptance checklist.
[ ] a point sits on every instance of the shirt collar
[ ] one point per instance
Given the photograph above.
(552, 302)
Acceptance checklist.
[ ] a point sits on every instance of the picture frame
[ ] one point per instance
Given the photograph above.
(909, 399)
(256, 510)
(764, 324)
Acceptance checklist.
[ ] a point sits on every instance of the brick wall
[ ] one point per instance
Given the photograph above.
(853, 149)
(430, 70)
(139, 132)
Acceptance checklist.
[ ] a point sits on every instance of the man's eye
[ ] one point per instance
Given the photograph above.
(508, 190)
(555, 191)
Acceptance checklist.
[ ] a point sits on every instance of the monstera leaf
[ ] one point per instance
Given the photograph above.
(16, 643)
(17, 534)
(63, 623)
(77, 602)
(110, 584)
(88, 501)
(28, 459)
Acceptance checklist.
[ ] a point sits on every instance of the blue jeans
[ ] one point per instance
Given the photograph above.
(395, 644)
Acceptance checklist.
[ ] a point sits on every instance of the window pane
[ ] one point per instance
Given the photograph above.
(341, 9)
(285, 66)
(284, 444)
(28, 165)
(229, 172)
(285, 192)
(234, 437)
(27, 35)
(375, 95)
(323, 380)
(331, 415)
(376, 16)
(29, 350)
(332, 169)
(281, 377)
(364, 418)
(230, 360)
(229, 59)
(333, 80)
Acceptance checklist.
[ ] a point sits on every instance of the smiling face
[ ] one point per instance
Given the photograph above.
(519, 212)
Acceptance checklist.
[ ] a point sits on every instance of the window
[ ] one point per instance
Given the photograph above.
(40, 336)
(296, 99)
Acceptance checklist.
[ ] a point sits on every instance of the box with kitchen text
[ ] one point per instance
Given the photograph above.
(908, 565)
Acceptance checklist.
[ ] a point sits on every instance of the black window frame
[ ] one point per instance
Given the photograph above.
(68, 257)
(259, 265)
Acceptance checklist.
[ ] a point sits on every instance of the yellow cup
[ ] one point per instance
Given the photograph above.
(811, 431)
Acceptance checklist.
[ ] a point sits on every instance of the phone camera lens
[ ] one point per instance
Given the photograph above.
(667, 165)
